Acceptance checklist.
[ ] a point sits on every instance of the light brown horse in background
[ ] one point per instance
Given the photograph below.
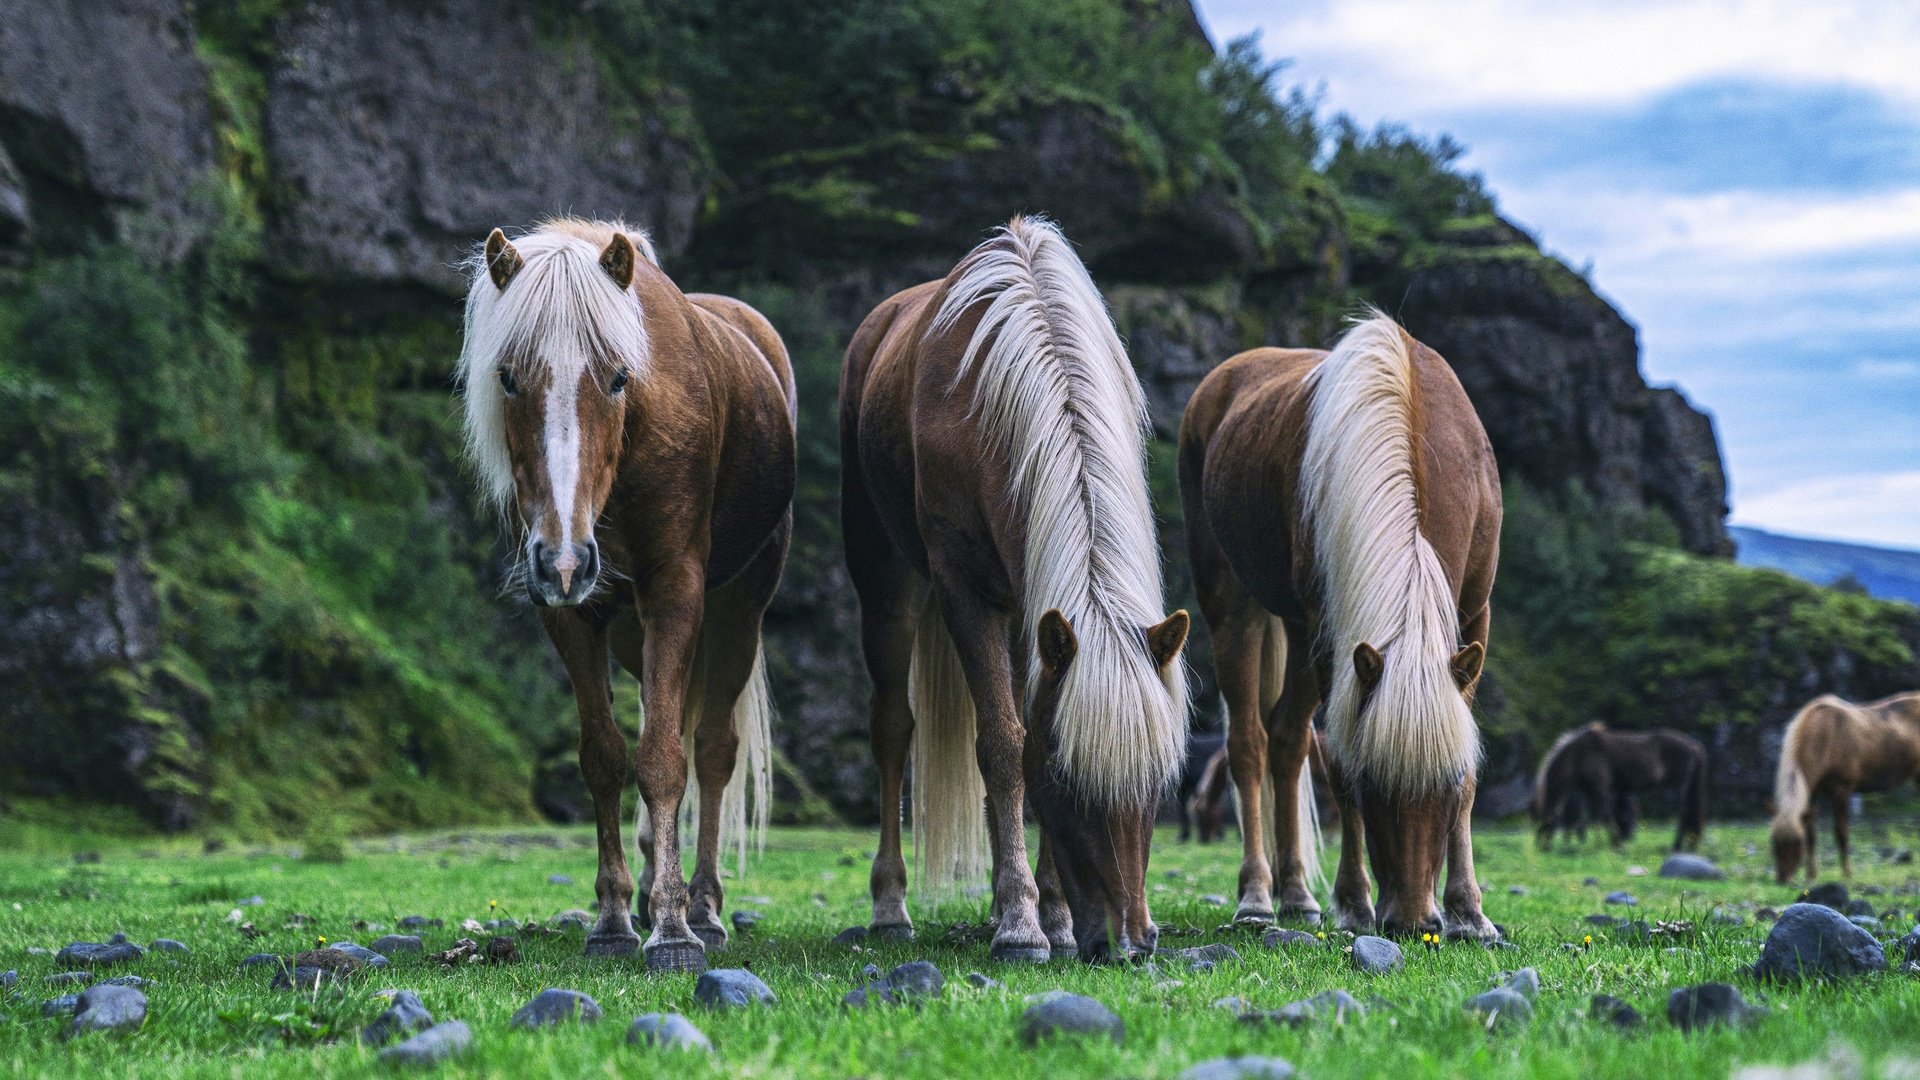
(1343, 518)
(1835, 749)
(641, 442)
(998, 531)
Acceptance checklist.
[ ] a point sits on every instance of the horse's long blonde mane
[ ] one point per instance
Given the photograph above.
(1381, 581)
(560, 310)
(1058, 398)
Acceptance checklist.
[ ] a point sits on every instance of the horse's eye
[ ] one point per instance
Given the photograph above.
(619, 382)
(507, 382)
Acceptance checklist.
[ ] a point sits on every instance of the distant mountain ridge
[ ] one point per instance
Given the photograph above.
(1889, 573)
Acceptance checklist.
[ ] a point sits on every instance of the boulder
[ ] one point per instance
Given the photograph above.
(1815, 941)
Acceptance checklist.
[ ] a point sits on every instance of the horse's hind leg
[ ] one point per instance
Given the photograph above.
(583, 647)
(890, 598)
(1239, 638)
(1290, 731)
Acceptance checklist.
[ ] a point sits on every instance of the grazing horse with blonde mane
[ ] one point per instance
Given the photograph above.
(999, 534)
(641, 443)
(1343, 518)
(1835, 749)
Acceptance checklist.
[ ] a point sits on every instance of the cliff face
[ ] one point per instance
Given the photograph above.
(380, 141)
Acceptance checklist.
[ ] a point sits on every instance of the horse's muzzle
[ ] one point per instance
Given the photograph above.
(557, 577)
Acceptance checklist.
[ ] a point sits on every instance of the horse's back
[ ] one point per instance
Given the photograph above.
(759, 332)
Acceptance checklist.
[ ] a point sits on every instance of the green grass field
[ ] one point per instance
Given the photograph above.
(208, 1018)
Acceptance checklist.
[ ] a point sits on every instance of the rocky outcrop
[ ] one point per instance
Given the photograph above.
(106, 131)
(398, 135)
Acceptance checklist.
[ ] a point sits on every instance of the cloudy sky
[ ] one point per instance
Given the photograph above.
(1742, 175)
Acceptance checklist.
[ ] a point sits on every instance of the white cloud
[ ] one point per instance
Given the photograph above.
(1882, 508)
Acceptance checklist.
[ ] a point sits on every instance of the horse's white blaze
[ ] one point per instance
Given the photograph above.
(562, 430)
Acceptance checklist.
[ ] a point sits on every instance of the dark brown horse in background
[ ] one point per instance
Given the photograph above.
(1343, 517)
(641, 442)
(1602, 770)
(999, 533)
(1833, 750)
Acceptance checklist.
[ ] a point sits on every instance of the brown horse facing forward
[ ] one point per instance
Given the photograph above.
(1600, 770)
(1834, 749)
(1343, 517)
(642, 443)
(999, 534)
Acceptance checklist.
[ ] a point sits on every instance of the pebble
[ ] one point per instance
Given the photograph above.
(1232, 1004)
(979, 980)
(1070, 1014)
(396, 943)
(1622, 897)
(301, 977)
(1615, 1011)
(1831, 894)
(1516, 890)
(60, 1006)
(1336, 1005)
(909, 984)
(731, 988)
(745, 921)
(259, 958)
(552, 1007)
(1637, 932)
(125, 980)
(109, 1008)
(559, 879)
(1812, 940)
(1525, 982)
(9, 980)
(1598, 919)
(369, 957)
(1591, 881)
(92, 954)
(1689, 867)
(852, 935)
(1281, 936)
(420, 922)
(1375, 955)
(404, 1015)
(1858, 907)
(668, 1031)
(68, 978)
(1864, 922)
(1215, 900)
(253, 901)
(1501, 1007)
(1201, 958)
(432, 1046)
(1240, 1068)
(1710, 1003)
(168, 945)
(1725, 917)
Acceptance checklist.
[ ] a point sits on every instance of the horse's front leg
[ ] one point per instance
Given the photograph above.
(671, 608)
(1056, 917)
(1461, 911)
(582, 644)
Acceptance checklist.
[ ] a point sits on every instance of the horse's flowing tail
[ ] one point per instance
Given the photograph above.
(1306, 822)
(752, 763)
(1790, 789)
(1058, 399)
(1541, 804)
(1383, 583)
(949, 798)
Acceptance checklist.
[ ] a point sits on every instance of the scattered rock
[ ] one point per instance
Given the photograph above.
(573, 920)
(1766, 914)
(370, 957)
(168, 945)
(260, 958)
(1689, 867)
(404, 1016)
(1873, 890)
(1710, 1003)
(9, 980)
(1637, 932)
(125, 980)
(745, 921)
(1280, 936)
(1516, 890)
(502, 950)
(64, 1005)
(559, 879)
(852, 935)
(420, 922)
(1232, 1004)
(432, 1046)
(668, 1031)
(731, 988)
(980, 981)
(1525, 982)
(253, 901)
(1622, 897)
(909, 984)
(1636, 871)
(1615, 1011)
(109, 1008)
(299, 977)
(69, 978)
(1813, 940)
(1375, 955)
(551, 1008)
(1215, 900)
(1070, 1014)
(1501, 1007)
(393, 944)
(1858, 907)
(1865, 922)
(1726, 917)
(1591, 881)
(1200, 958)
(1335, 1005)
(1240, 1068)
(1831, 894)
(91, 954)
(1598, 919)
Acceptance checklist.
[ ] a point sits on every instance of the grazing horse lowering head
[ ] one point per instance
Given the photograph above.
(554, 338)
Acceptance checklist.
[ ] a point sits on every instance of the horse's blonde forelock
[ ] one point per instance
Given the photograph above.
(1058, 398)
(560, 311)
(1380, 579)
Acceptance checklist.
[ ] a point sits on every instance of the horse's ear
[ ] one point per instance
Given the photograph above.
(1165, 637)
(1057, 644)
(1368, 664)
(618, 260)
(1466, 666)
(502, 260)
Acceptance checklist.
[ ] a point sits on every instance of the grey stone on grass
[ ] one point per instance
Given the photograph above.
(1281, 936)
(92, 954)
(1622, 897)
(109, 1008)
(1240, 1068)
(852, 935)
(1070, 1014)
(1335, 1005)
(432, 1046)
(731, 988)
(1690, 867)
(69, 978)
(553, 1007)
(668, 1031)
(168, 945)
(404, 1015)
(1376, 955)
(370, 957)
(1710, 1004)
(420, 922)
(1501, 1007)
(981, 981)
(260, 958)
(1525, 982)
(64, 1005)
(745, 921)
(1831, 894)
(1200, 958)
(909, 984)
(559, 879)
(134, 981)
(394, 944)
(1815, 941)
(1597, 919)
(1616, 1012)
(1215, 900)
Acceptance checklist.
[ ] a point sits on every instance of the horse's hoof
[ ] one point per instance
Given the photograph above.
(1253, 917)
(1020, 954)
(891, 934)
(711, 936)
(676, 956)
(1310, 916)
(1357, 922)
(613, 946)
